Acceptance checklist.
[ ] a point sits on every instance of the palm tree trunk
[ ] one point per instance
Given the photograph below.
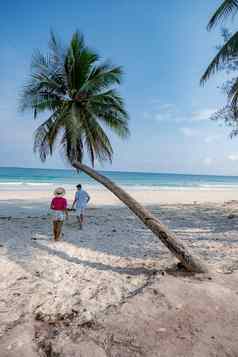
(190, 262)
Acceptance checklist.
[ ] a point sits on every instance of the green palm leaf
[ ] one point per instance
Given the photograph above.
(227, 8)
(227, 53)
(233, 95)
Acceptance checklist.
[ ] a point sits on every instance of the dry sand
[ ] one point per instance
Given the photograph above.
(103, 197)
(112, 289)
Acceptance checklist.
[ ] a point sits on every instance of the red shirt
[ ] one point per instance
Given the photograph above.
(58, 204)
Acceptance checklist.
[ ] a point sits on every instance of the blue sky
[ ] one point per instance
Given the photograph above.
(164, 48)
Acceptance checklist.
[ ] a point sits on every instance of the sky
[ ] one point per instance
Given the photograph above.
(164, 48)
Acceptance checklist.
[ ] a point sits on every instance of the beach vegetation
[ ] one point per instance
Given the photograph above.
(226, 60)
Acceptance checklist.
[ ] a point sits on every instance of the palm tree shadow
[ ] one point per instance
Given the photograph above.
(96, 265)
(117, 233)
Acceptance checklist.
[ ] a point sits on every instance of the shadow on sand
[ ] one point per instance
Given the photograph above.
(124, 235)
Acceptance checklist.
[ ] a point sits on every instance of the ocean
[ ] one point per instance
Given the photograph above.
(26, 178)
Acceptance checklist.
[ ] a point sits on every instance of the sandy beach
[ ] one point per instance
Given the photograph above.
(142, 98)
(15, 199)
(76, 289)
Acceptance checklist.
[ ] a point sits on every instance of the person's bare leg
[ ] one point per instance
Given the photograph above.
(81, 220)
(54, 230)
(59, 229)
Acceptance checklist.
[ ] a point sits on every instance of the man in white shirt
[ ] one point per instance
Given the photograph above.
(80, 201)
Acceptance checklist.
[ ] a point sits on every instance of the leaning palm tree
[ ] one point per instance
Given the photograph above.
(228, 53)
(76, 89)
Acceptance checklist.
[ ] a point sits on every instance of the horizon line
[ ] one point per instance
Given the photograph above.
(118, 171)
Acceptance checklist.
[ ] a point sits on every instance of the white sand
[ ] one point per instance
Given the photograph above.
(102, 197)
(110, 260)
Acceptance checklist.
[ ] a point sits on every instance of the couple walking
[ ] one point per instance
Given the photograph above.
(60, 210)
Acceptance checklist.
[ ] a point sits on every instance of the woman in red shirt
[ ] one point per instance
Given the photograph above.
(59, 209)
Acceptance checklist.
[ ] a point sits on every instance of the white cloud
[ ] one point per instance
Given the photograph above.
(208, 161)
(165, 112)
(169, 112)
(203, 114)
(189, 132)
(233, 157)
(212, 138)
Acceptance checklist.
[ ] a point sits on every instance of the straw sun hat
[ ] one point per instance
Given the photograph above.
(59, 191)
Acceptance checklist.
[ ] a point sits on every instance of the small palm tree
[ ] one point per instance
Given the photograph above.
(76, 89)
(228, 52)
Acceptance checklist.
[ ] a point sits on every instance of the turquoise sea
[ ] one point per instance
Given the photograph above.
(20, 178)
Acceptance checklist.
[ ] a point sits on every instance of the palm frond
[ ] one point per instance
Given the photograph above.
(228, 52)
(233, 94)
(57, 51)
(230, 116)
(109, 108)
(46, 134)
(78, 62)
(92, 134)
(227, 8)
(102, 77)
(96, 141)
(41, 102)
(72, 150)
